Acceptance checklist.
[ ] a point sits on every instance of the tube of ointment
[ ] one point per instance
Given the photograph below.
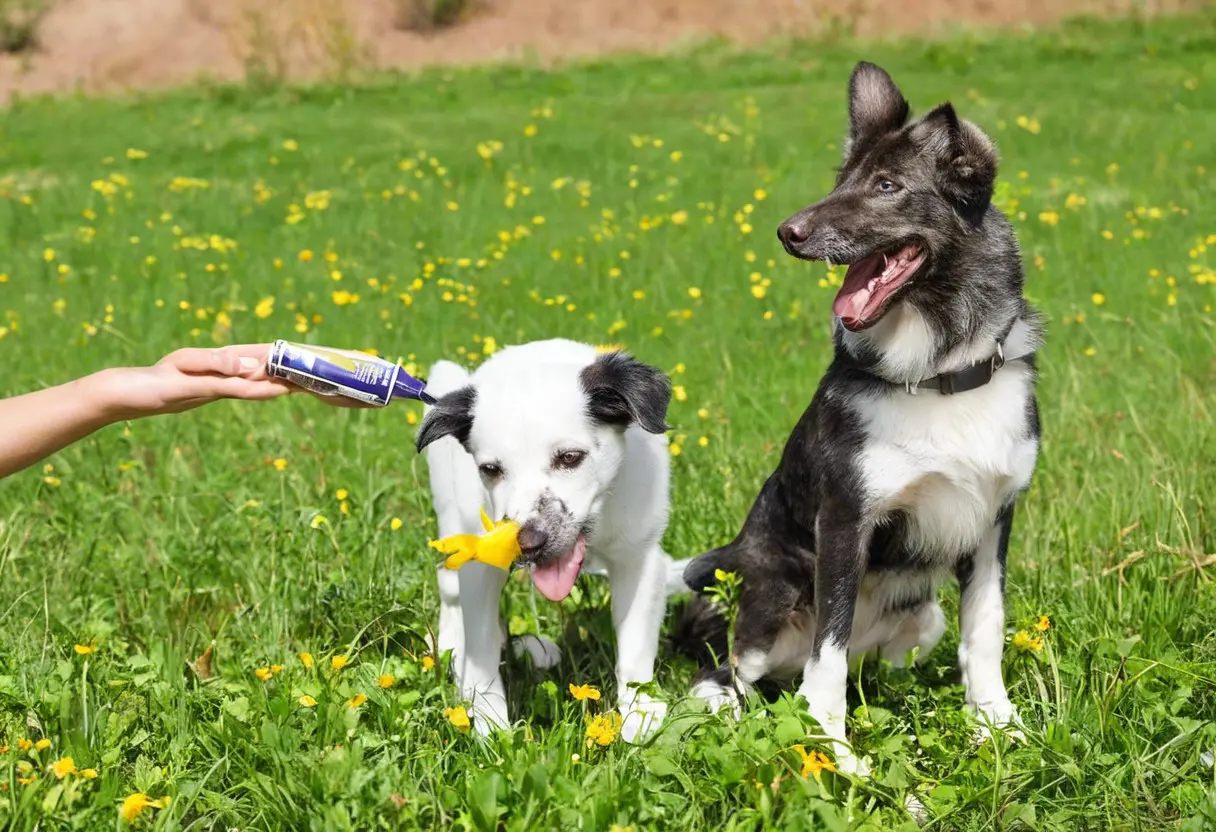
(355, 375)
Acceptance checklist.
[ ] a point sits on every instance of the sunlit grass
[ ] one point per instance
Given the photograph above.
(229, 608)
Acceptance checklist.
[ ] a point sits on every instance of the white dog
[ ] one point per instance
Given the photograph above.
(568, 442)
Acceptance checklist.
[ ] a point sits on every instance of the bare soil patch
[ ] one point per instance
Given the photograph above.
(107, 45)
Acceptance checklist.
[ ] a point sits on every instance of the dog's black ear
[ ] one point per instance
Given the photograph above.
(876, 106)
(623, 391)
(451, 416)
(966, 160)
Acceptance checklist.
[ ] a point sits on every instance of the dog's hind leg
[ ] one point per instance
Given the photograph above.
(639, 603)
(920, 630)
(982, 626)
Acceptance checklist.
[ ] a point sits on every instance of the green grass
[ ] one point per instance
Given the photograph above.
(179, 532)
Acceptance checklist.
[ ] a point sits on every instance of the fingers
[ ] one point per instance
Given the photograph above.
(247, 360)
(195, 361)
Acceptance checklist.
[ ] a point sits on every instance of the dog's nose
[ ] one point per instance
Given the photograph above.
(793, 232)
(532, 540)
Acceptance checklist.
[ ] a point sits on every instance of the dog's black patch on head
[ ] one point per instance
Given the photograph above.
(966, 160)
(623, 391)
(451, 415)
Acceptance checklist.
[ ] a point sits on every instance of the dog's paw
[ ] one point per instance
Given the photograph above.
(999, 715)
(716, 697)
(486, 723)
(641, 716)
(544, 653)
(849, 763)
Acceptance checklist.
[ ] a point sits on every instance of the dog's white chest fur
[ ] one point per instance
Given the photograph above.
(948, 464)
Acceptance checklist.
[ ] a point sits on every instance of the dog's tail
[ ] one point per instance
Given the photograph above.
(700, 629)
(699, 571)
(455, 483)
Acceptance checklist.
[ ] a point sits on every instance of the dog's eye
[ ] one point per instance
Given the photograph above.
(490, 470)
(569, 460)
(887, 186)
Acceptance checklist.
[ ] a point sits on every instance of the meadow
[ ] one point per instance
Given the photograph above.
(227, 610)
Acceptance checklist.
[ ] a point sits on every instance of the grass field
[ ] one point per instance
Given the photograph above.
(633, 201)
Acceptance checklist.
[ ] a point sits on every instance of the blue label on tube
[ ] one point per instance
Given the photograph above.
(331, 372)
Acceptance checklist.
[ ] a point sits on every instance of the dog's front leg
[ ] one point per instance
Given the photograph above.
(639, 601)
(841, 545)
(481, 683)
(982, 625)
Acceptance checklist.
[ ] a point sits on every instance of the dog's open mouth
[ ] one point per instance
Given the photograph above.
(871, 283)
(555, 578)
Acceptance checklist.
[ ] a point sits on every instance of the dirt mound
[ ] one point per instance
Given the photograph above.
(105, 45)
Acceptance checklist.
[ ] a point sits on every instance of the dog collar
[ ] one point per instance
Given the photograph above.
(969, 378)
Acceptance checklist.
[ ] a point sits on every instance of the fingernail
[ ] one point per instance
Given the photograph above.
(248, 363)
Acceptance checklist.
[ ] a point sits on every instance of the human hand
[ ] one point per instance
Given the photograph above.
(188, 378)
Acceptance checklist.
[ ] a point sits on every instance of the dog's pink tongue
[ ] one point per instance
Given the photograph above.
(854, 293)
(556, 578)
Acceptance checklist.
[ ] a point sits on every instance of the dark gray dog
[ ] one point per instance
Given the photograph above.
(905, 468)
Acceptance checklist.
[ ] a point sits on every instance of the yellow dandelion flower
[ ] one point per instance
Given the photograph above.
(602, 729)
(530, 130)
(1024, 641)
(1090, 352)
(135, 153)
(62, 767)
(88, 773)
(1043, 624)
(53, 482)
(703, 441)
(291, 145)
(24, 745)
(25, 781)
(307, 701)
(263, 673)
(42, 744)
(280, 464)
(584, 692)
(428, 664)
(458, 716)
(306, 660)
(395, 524)
(703, 413)
(1107, 234)
(337, 662)
(679, 217)
(318, 521)
(265, 307)
(341, 494)
(411, 417)
(356, 700)
(758, 291)
(48, 255)
(84, 649)
(814, 762)
(675, 449)
(386, 680)
(759, 194)
(276, 668)
(639, 294)
(694, 292)
(134, 804)
(1049, 217)
(1098, 298)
